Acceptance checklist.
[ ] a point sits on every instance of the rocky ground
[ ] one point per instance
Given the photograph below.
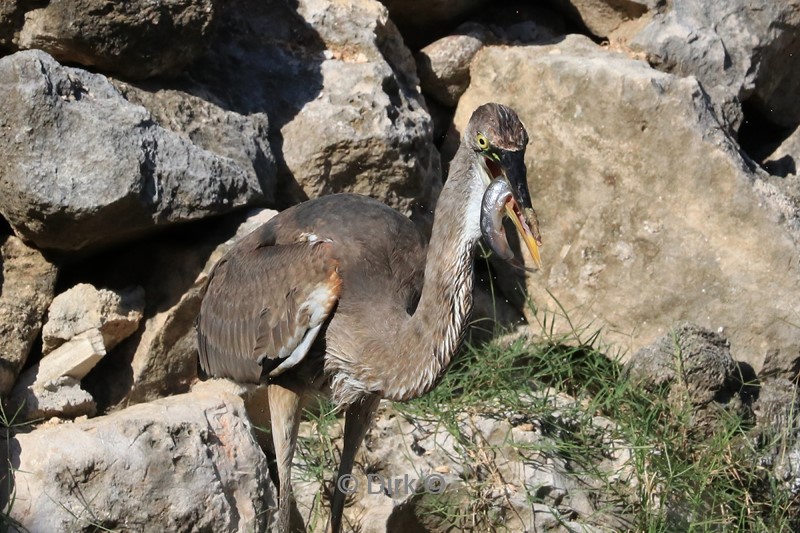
(139, 139)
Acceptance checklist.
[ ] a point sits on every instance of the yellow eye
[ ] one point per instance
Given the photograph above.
(483, 143)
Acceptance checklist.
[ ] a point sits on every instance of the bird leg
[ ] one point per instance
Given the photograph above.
(357, 420)
(284, 405)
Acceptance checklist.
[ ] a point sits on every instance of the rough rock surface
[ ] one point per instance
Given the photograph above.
(135, 39)
(80, 165)
(737, 50)
(355, 121)
(339, 70)
(777, 413)
(242, 138)
(443, 65)
(693, 359)
(52, 387)
(31, 401)
(636, 238)
(83, 307)
(184, 463)
(26, 289)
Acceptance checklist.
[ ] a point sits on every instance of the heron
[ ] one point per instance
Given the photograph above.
(340, 295)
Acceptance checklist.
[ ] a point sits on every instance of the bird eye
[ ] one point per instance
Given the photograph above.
(483, 143)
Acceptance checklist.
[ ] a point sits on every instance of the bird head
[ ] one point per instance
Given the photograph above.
(498, 139)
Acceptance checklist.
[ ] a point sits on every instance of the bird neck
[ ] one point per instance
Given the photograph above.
(438, 325)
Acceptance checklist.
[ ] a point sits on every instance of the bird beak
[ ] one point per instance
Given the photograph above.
(519, 209)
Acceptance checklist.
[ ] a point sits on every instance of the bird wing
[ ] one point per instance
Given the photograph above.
(264, 306)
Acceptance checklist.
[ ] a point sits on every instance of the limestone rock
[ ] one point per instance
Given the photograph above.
(776, 408)
(368, 105)
(694, 368)
(63, 398)
(79, 165)
(52, 387)
(338, 70)
(777, 433)
(83, 307)
(695, 358)
(647, 209)
(208, 124)
(738, 50)
(135, 39)
(26, 289)
(73, 359)
(184, 463)
(443, 65)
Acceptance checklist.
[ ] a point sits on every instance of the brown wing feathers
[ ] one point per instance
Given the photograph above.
(261, 304)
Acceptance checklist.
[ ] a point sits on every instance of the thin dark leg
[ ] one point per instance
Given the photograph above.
(357, 420)
(285, 421)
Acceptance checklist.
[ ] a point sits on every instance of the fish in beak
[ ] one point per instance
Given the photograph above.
(508, 195)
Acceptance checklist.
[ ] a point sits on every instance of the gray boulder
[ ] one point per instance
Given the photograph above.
(339, 87)
(777, 433)
(136, 39)
(26, 289)
(692, 360)
(694, 369)
(184, 463)
(738, 50)
(647, 208)
(80, 165)
(242, 138)
(372, 132)
(443, 65)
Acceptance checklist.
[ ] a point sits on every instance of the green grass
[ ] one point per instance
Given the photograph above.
(675, 476)
(684, 479)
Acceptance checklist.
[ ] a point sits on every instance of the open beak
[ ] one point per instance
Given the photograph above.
(531, 239)
(508, 192)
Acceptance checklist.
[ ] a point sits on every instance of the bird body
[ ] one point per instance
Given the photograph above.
(340, 294)
(309, 253)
